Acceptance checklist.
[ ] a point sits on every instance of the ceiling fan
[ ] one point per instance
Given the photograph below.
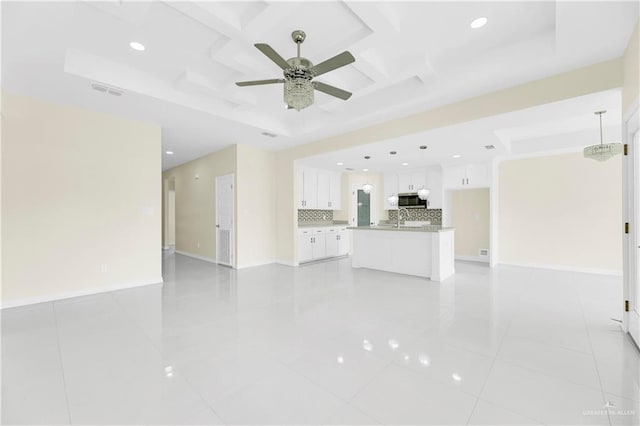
(299, 73)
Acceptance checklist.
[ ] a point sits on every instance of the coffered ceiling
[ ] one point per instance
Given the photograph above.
(410, 56)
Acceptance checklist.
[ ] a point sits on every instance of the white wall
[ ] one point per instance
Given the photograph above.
(561, 211)
(80, 201)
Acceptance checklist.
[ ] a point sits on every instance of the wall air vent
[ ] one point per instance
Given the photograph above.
(484, 252)
(269, 134)
(107, 89)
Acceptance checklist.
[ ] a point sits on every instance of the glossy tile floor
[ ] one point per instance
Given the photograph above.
(325, 344)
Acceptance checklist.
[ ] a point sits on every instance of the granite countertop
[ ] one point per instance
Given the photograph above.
(322, 224)
(425, 228)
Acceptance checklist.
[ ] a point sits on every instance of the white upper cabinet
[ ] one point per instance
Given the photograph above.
(390, 188)
(411, 180)
(434, 183)
(310, 188)
(335, 191)
(323, 187)
(418, 180)
(469, 176)
(299, 184)
(318, 189)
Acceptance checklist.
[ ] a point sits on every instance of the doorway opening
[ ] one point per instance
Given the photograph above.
(363, 210)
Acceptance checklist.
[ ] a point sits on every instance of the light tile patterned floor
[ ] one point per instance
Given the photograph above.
(326, 344)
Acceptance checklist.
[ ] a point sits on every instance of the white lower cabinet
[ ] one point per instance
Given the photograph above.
(318, 245)
(321, 243)
(343, 242)
(305, 246)
(332, 242)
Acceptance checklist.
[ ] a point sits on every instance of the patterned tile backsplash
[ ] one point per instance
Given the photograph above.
(434, 215)
(315, 216)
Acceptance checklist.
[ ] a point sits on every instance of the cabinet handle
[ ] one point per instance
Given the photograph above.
(467, 181)
(463, 181)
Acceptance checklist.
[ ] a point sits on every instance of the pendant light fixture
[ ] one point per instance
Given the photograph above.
(423, 193)
(604, 151)
(367, 187)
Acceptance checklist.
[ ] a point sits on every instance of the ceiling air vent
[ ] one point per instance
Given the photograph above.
(99, 87)
(269, 134)
(107, 89)
(489, 147)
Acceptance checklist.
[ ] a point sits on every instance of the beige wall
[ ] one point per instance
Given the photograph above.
(254, 210)
(561, 211)
(195, 201)
(631, 70)
(470, 217)
(171, 217)
(256, 206)
(591, 79)
(80, 201)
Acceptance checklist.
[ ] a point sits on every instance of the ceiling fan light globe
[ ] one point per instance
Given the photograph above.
(298, 93)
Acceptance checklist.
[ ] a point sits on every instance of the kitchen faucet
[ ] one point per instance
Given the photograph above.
(398, 217)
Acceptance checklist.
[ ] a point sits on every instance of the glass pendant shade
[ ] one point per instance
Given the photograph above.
(392, 199)
(366, 188)
(423, 193)
(298, 92)
(604, 151)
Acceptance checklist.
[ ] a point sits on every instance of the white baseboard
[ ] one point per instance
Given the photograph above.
(597, 271)
(79, 293)
(195, 256)
(285, 262)
(482, 259)
(253, 265)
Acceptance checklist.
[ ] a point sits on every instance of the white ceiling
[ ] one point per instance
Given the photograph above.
(560, 126)
(410, 56)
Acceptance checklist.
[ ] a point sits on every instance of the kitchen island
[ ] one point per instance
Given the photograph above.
(425, 251)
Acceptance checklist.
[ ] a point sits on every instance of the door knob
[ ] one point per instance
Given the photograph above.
(217, 226)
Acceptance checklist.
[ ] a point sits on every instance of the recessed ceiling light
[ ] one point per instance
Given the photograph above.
(136, 46)
(365, 170)
(169, 152)
(339, 164)
(457, 156)
(405, 164)
(479, 22)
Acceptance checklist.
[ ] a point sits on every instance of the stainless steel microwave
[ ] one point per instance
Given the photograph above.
(411, 201)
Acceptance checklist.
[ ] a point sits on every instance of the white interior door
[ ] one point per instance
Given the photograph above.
(633, 292)
(224, 220)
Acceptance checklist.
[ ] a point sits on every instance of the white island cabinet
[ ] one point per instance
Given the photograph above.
(426, 252)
